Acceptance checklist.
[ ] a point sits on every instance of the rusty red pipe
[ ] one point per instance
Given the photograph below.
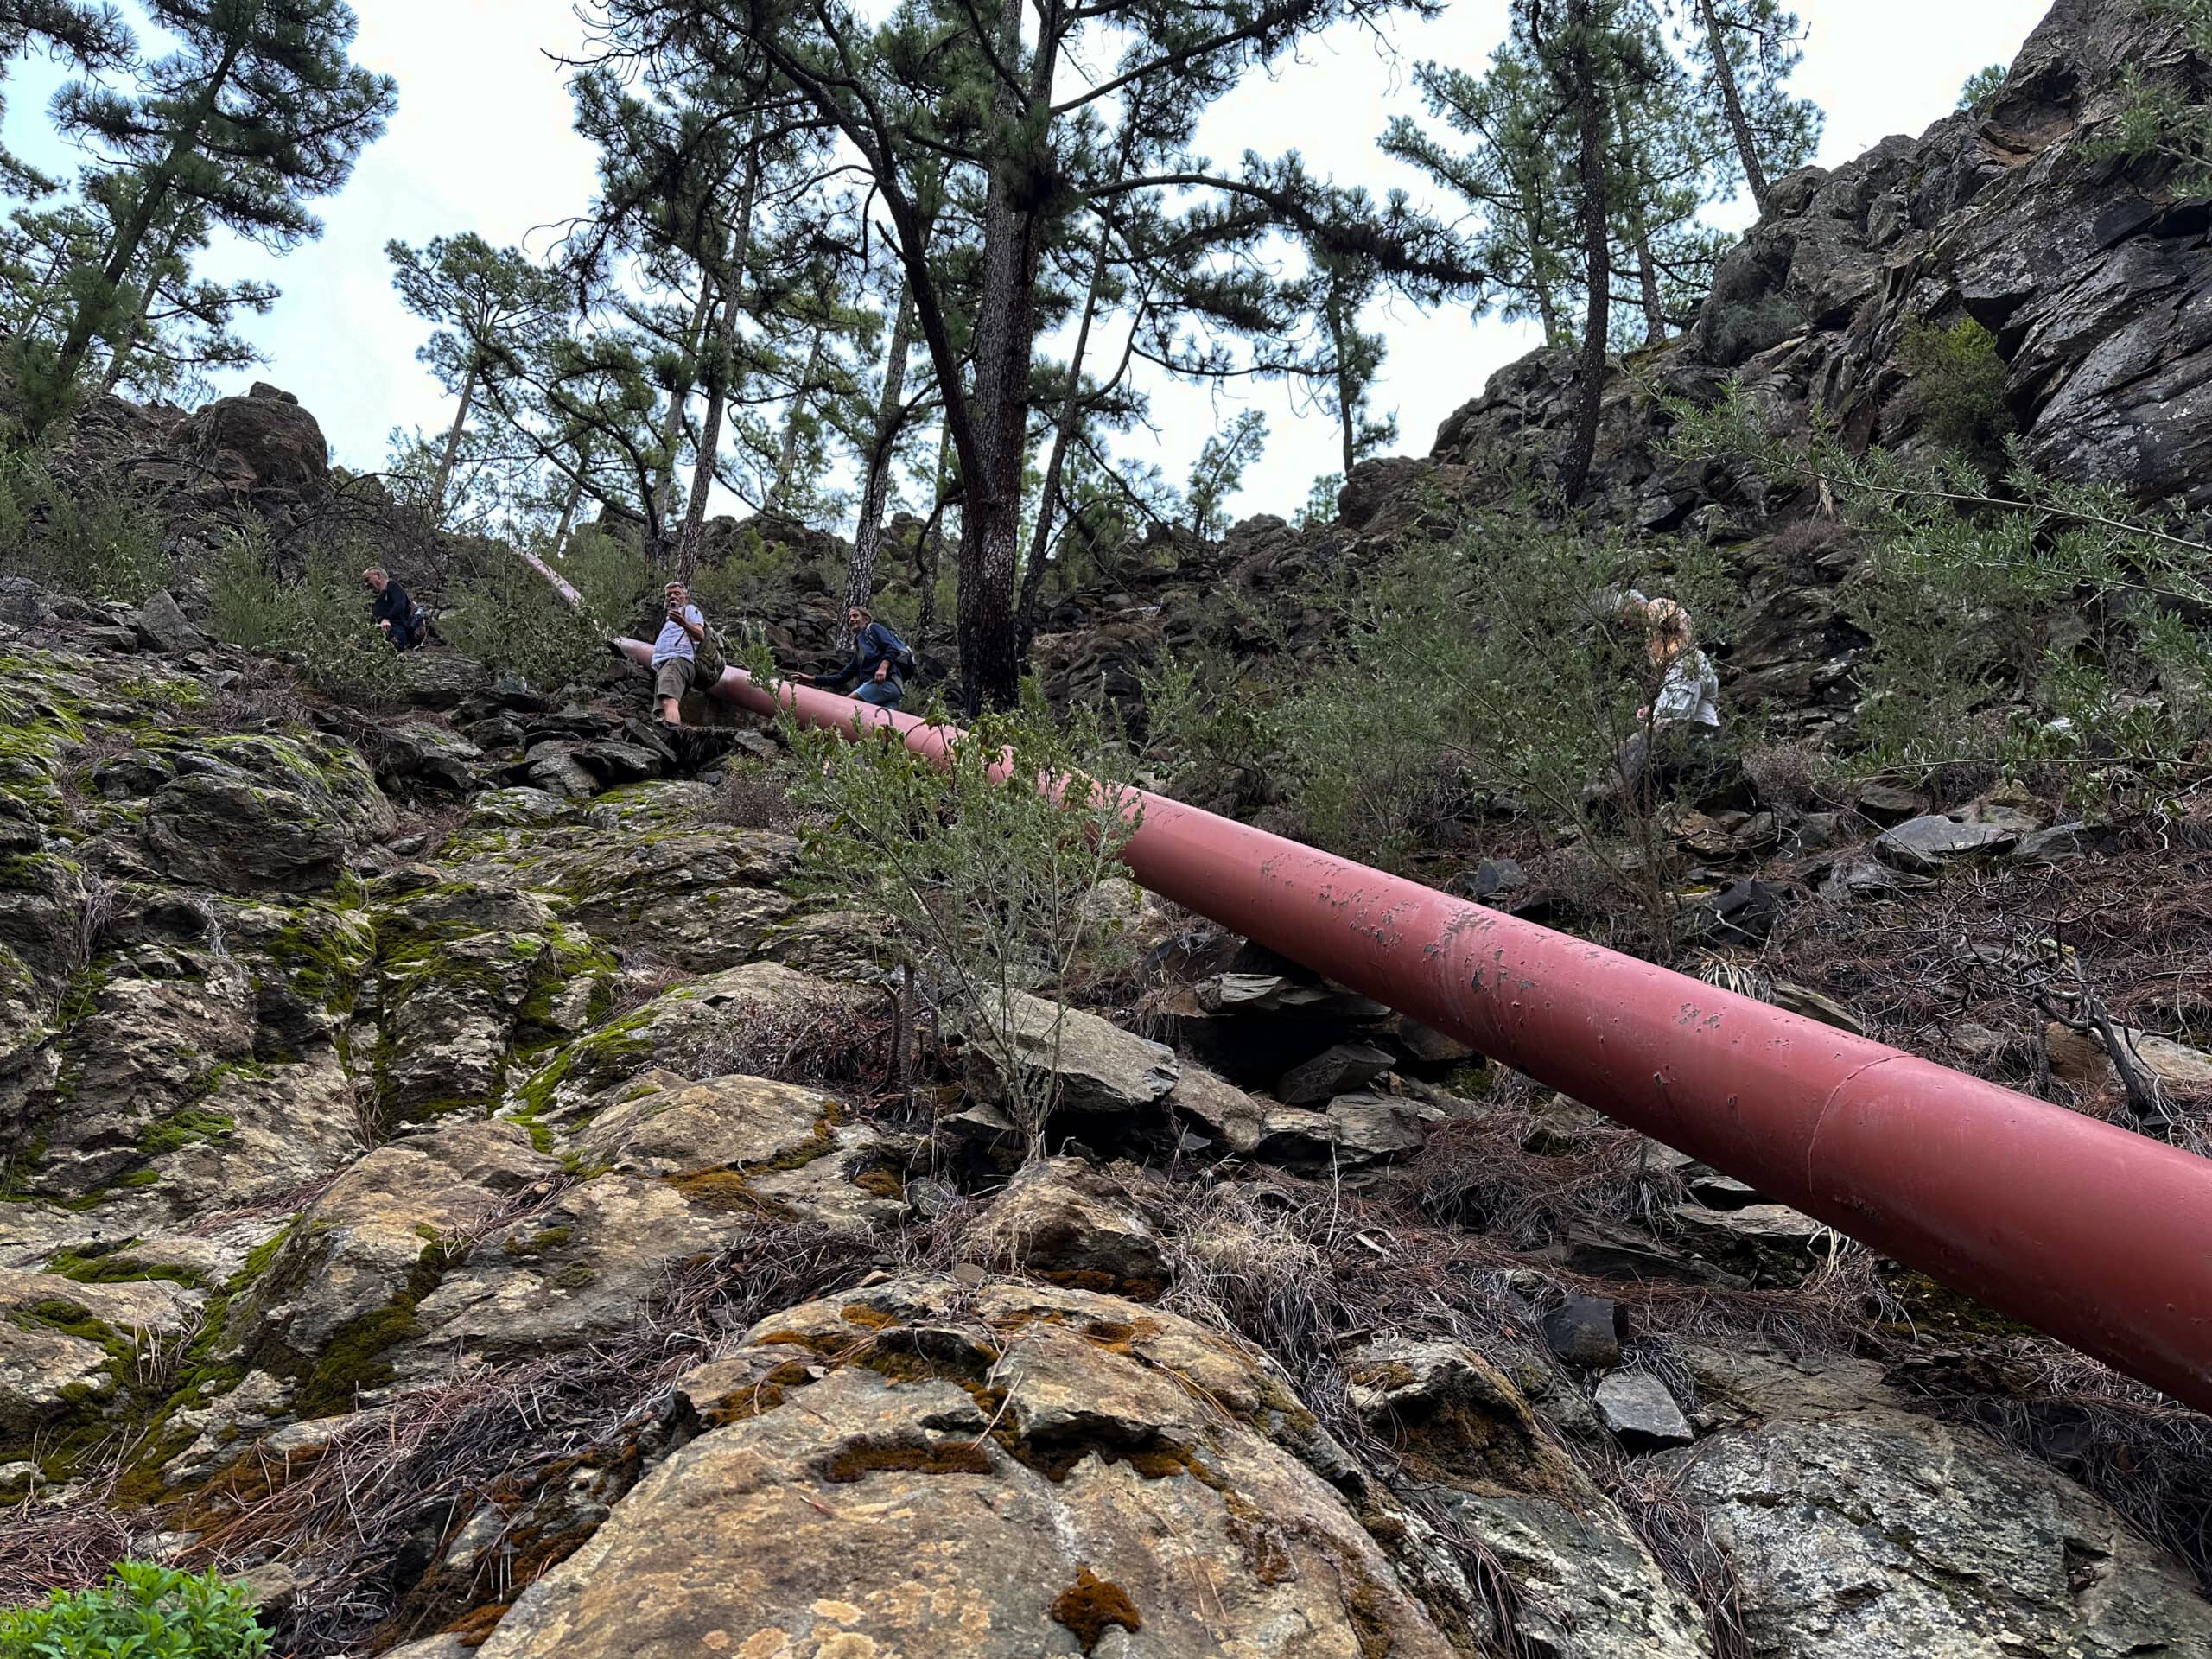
(2101, 1237)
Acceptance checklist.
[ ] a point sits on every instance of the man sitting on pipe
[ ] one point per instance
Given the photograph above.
(675, 653)
(881, 660)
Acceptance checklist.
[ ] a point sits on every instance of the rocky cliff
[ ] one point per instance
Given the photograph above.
(481, 1214)
(459, 1177)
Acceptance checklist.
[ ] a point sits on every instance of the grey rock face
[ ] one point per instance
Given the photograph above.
(1341, 1070)
(1095, 1065)
(1927, 844)
(1637, 1406)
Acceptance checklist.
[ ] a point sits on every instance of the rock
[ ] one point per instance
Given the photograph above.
(1303, 1139)
(748, 1146)
(441, 680)
(427, 756)
(260, 813)
(516, 809)
(2078, 1057)
(162, 626)
(1225, 1112)
(1375, 1128)
(1495, 878)
(1424, 1045)
(262, 441)
(1462, 1427)
(1340, 1070)
(738, 1021)
(1856, 1528)
(1067, 1223)
(1887, 804)
(1765, 1238)
(2059, 844)
(1925, 845)
(1095, 1065)
(1635, 1406)
(847, 1464)
(1587, 1331)
(1279, 994)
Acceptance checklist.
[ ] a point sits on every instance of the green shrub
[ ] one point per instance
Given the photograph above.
(754, 578)
(1959, 380)
(319, 617)
(513, 621)
(142, 1612)
(90, 539)
(982, 864)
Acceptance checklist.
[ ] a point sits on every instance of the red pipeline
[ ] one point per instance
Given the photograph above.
(2097, 1235)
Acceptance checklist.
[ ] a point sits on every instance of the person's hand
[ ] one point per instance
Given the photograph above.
(882, 672)
(384, 624)
(1643, 715)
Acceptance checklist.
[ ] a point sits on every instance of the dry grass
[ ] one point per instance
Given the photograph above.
(45, 1547)
(504, 1436)
(1478, 1172)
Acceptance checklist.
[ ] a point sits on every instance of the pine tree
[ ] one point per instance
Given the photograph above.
(93, 35)
(932, 86)
(257, 112)
(493, 306)
(1743, 52)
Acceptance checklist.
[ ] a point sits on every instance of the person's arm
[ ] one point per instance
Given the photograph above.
(692, 623)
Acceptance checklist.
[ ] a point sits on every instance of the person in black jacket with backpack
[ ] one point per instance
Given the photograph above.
(881, 662)
(394, 611)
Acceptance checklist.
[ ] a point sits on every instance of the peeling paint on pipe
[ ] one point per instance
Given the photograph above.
(2097, 1235)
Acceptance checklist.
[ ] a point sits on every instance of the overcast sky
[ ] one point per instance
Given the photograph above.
(482, 143)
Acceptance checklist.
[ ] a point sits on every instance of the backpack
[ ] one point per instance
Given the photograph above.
(901, 657)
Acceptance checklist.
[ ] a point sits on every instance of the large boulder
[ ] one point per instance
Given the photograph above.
(1069, 1225)
(261, 813)
(262, 441)
(1001, 1473)
(1093, 1064)
(1857, 1529)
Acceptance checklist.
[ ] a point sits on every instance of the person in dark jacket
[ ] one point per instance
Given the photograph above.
(394, 611)
(881, 662)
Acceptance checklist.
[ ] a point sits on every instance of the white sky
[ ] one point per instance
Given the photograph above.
(482, 142)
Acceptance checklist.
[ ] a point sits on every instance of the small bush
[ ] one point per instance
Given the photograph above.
(512, 621)
(88, 539)
(320, 617)
(144, 1610)
(983, 865)
(1959, 382)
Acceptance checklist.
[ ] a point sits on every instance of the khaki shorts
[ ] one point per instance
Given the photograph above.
(673, 677)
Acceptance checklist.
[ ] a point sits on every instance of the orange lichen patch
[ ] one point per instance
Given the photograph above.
(860, 1313)
(880, 1182)
(726, 1190)
(474, 1628)
(1091, 1604)
(860, 1458)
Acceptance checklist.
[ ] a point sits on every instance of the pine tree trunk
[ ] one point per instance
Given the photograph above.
(131, 235)
(452, 444)
(1597, 245)
(127, 344)
(1041, 537)
(1005, 339)
(568, 507)
(1639, 228)
(890, 416)
(929, 542)
(679, 395)
(1732, 101)
(720, 383)
(787, 456)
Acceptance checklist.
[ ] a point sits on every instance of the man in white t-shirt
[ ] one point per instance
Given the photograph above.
(676, 664)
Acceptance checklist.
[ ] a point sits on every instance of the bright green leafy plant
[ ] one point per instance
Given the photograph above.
(142, 1612)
